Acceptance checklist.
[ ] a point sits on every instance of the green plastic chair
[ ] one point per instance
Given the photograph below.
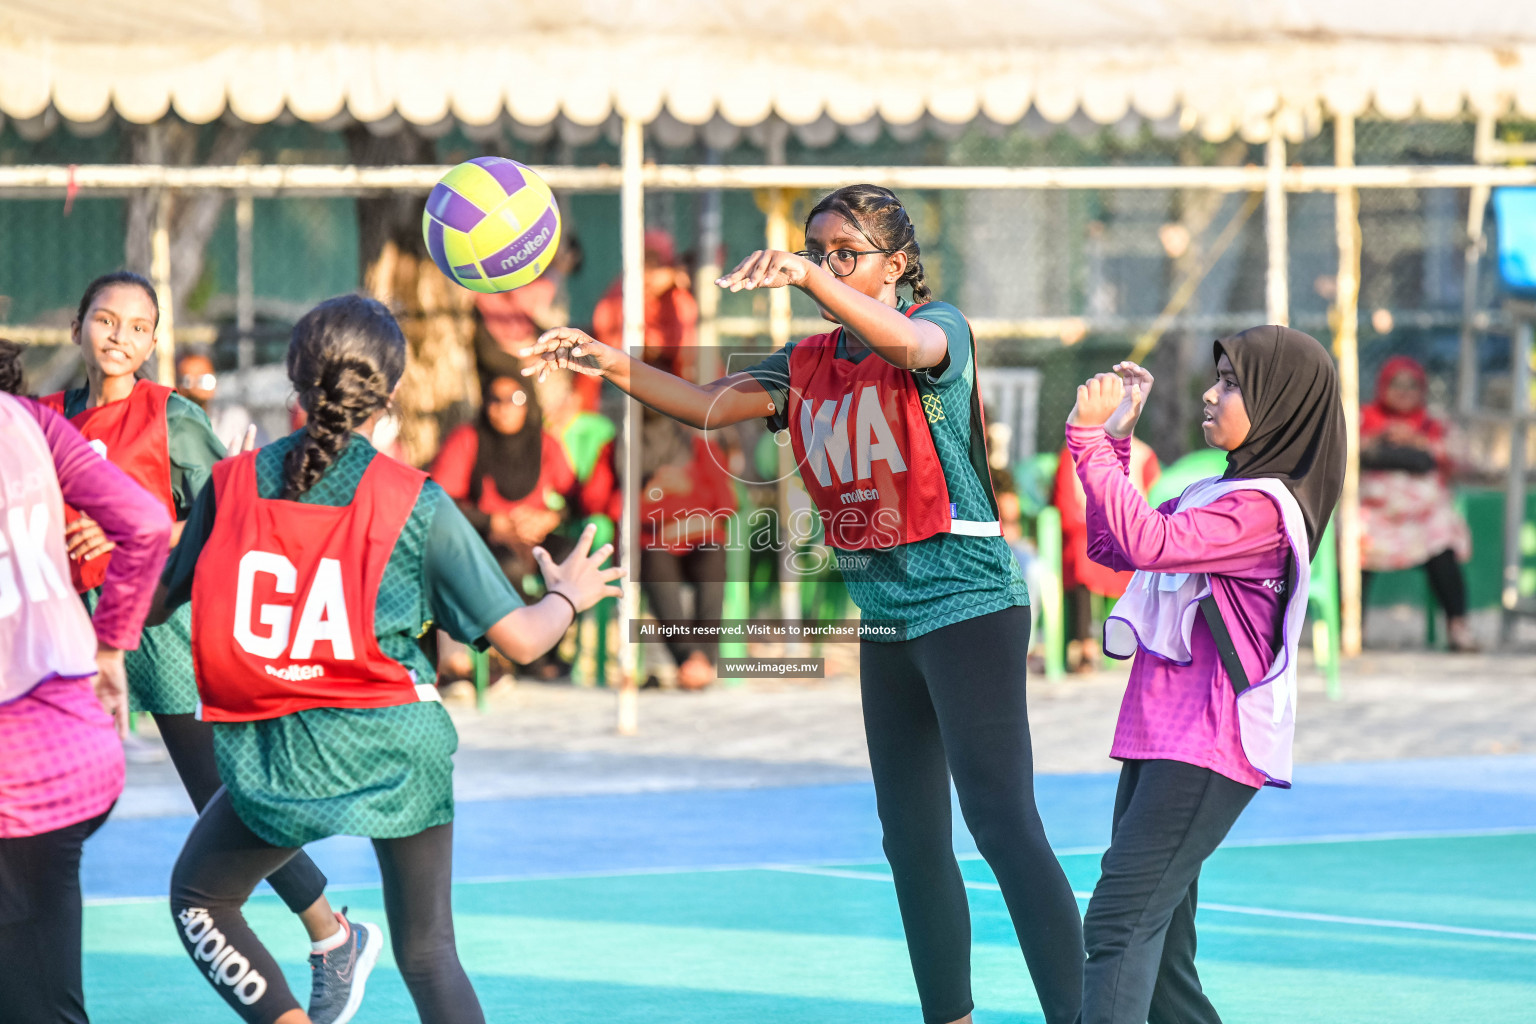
(1197, 465)
(1323, 607)
(1052, 598)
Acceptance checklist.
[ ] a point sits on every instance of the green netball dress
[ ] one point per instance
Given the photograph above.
(160, 678)
(377, 772)
(946, 578)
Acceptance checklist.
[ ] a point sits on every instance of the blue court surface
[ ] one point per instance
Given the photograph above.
(1391, 891)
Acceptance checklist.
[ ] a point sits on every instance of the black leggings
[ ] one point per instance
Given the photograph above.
(1140, 925)
(220, 866)
(1445, 580)
(190, 743)
(952, 701)
(40, 926)
(663, 574)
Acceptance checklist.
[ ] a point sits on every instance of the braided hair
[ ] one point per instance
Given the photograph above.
(879, 214)
(344, 358)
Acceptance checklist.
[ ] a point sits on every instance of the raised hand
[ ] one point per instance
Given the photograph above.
(1097, 400)
(1138, 384)
(767, 268)
(581, 577)
(566, 348)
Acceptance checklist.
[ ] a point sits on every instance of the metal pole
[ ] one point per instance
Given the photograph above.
(1346, 347)
(711, 231)
(160, 275)
(1466, 373)
(777, 237)
(632, 241)
(245, 281)
(1277, 298)
(1514, 494)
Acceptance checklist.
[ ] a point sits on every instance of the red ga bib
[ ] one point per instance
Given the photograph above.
(861, 440)
(133, 436)
(284, 594)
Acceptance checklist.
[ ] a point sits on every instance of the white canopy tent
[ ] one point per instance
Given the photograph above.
(1267, 70)
(1217, 66)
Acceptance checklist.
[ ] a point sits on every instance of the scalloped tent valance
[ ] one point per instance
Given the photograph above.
(1216, 66)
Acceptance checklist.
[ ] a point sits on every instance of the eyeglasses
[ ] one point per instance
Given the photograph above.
(841, 261)
(198, 382)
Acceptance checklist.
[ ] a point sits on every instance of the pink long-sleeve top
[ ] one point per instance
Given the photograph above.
(63, 762)
(1188, 712)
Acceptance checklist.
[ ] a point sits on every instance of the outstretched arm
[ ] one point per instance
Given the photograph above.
(571, 587)
(901, 341)
(720, 403)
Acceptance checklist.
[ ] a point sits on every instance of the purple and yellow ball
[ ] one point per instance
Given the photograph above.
(492, 224)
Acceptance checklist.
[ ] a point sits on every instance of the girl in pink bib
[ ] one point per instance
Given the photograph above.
(1212, 617)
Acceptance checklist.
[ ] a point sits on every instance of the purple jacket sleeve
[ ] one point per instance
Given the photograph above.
(129, 516)
(1237, 533)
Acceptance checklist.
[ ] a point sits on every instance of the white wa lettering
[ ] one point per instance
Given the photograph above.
(26, 552)
(323, 616)
(829, 448)
(871, 420)
(826, 432)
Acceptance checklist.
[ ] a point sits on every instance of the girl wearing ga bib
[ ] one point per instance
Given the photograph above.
(1213, 616)
(886, 427)
(166, 444)
(313, 566)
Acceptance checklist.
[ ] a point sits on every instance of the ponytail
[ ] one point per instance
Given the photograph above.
(879, 214)
(344, 358)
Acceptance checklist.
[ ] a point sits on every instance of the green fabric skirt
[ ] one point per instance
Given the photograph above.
(383, 773)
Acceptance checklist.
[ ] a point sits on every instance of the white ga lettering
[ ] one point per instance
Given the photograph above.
(324, 615)
(827, 444)
(26, 552)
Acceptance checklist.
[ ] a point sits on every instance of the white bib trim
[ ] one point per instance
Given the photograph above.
(1158, 612)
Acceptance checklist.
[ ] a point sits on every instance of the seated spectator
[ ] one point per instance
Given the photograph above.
(510, 477)
(587, 438)
(685, 500)
(198, 384)
(1081, 577)
(1408, 516)
(671, 315)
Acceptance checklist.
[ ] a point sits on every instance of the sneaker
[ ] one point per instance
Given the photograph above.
(336, 989)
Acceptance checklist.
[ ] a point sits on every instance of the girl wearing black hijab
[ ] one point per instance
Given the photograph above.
(1212, 617)
(509, 476)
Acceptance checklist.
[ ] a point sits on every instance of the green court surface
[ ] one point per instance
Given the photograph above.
(1439, 929)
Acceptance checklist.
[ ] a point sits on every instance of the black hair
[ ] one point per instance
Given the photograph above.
(344, 358)
(879, 214)
(13, 378)
(105, 281)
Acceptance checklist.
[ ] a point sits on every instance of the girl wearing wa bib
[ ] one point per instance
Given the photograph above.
(887, 433)
(1212, 617)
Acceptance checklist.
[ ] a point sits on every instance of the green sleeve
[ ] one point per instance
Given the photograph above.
(193, 449)
(179, 568)
(956, 332)
(466, 589)
(773, 374)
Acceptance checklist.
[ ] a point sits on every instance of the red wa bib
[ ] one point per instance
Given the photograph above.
(284, 594)
(132, 435)
(861, 439)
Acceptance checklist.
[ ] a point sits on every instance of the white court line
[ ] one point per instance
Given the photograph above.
(1225, 908)
(107, 901)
